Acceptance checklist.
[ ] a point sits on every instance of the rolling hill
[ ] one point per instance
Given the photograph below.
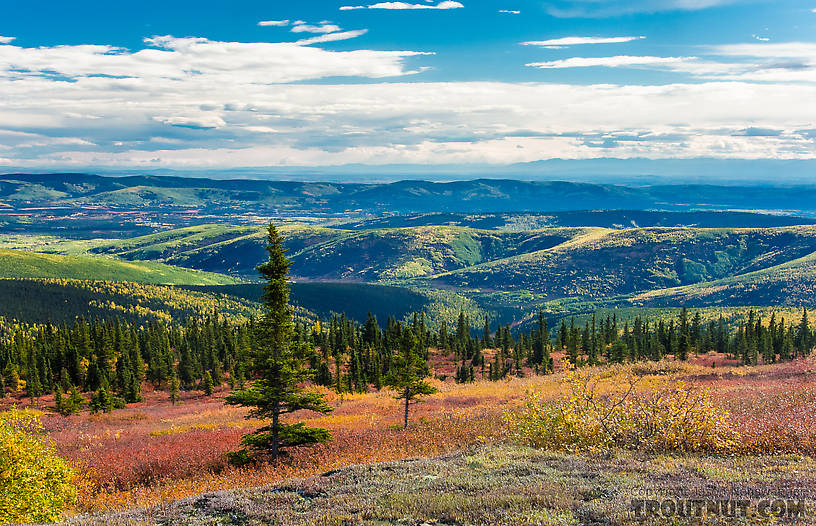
(609, 263)
(660, 266)
(64, 300)
(237, 196)
(615, 219)
(20, 264)
(792, 283)
(320, 253)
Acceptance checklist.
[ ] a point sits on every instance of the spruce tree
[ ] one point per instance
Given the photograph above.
(102, 400)
(207, 384)
(174, 388)
(75, 401)
(280, 366)
(408, 373)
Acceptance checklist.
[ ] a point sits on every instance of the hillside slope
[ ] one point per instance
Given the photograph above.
(321, 253)
(610, 263)
(790, 284)
(64, 300)
(20, 264)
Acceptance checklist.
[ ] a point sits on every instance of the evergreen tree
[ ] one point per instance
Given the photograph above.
(104, 401)
(803, 335)
(174, 388)
(407, 376)
(207, 384)
(75, 402)
(486, 340)
(59, 401)
(279, 366)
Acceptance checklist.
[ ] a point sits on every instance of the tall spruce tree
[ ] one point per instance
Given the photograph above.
(279, 366)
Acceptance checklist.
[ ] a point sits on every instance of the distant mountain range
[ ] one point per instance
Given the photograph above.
(85, 206)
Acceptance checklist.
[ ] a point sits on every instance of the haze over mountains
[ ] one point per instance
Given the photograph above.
(407, 196)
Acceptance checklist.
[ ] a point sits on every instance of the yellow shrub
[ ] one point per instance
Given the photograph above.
(35, 484)
(614, 407)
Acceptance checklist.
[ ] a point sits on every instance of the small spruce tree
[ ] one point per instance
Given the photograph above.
(207, 384)
(408, 373)
(174, 388)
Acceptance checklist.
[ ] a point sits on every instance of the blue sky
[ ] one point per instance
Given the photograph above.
(203, 85)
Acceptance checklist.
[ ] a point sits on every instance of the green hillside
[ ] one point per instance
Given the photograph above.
(336, 254)
(605, 263)
(791, 284)
(63, 300)
(500, 271)
(20, 264)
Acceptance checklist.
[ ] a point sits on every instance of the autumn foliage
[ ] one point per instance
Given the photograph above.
(35, 484)
(614, 407)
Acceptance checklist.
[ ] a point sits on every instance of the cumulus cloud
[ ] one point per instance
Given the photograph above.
(199, 103)
(196, 60)
(6, 40)
(204, 124)
(273, 23)
(447, 4)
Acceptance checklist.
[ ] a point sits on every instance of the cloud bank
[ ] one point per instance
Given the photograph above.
(199, 103)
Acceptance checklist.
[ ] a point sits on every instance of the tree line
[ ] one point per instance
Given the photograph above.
(268, 361)
(118, 356)
(604, 340)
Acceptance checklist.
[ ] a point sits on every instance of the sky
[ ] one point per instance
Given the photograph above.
(214, 85)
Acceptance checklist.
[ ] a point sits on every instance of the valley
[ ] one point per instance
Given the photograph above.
(140, 296)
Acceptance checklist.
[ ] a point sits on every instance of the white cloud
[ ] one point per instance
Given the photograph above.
(322, 28)
(611, 8)
(193, 102)
(202, 120)
(758, 62)
(199, 123)
(803, 50)
(7, 40)
(333, 37)
(510, 11)
(274, 23)
(448, 4)
(608, 62)
(195, 60)
(575, 41)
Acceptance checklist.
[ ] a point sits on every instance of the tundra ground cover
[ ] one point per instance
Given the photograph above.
(502, 485)
(153, 452)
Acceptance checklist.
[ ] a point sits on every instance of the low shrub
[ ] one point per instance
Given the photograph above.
(617, 408)
(36, 485)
